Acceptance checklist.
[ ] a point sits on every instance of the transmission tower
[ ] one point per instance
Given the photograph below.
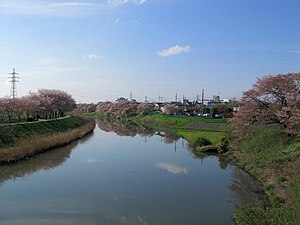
(13, 80)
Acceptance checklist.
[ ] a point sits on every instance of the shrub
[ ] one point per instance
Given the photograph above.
(223, 146)
(200, 142)
(6, 136)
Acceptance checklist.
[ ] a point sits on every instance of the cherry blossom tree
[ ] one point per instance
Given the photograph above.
(18, 105)
(43, 104)
(55, 102)
(272, 99)
(170, 109)
(104, 108)
(7, 107)
(31, 107)
(86, 107)
(124, 108)
(145, 108)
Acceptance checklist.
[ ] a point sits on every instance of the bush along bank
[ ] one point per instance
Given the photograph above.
(23, 140)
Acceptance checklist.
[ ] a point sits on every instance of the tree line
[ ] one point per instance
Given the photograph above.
(124, 108)
(43, 104)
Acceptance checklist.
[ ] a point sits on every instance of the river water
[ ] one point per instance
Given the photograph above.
(123, 174)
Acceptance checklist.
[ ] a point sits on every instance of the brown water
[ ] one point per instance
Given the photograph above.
(123, 175)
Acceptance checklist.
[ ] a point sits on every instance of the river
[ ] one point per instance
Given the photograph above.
(123, 174)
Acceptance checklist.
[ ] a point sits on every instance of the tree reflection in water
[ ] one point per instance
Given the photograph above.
(248, 192)
(124, 128)
(45, 161)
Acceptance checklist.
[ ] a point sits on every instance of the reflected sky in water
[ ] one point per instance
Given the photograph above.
(111, 179)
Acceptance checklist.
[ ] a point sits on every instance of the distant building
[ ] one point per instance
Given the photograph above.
(216, 98)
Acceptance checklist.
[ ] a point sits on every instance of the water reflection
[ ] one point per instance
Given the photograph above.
(124, 128)
(112, 180)
(248, 191)
(172, 168)
(45, 161)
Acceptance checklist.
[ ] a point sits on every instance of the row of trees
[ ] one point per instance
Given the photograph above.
(44, 104)
(124, 108)
(271, 100)
(86, 107)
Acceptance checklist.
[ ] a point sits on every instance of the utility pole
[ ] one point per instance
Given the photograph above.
(146, 99)
(183, 103)
(130, 96)
(202, 101)
(176, 97)
(14, 80)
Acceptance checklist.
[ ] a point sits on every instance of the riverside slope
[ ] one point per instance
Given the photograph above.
(23, 140)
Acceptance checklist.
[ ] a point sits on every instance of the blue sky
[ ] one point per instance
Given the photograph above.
(101, 50)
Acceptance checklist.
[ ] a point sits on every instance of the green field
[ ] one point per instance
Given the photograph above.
(189, 128)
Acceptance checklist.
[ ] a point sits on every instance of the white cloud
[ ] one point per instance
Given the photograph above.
(171, 168)
(140, 2)
(72, 4)
(46, 61)
(92, 161)
(57, 8)
(294, 51)
(174, 50)
(123, 2)
(93, 56)
(30, 7)
(288, 51)
(117, 20)
(135, 21)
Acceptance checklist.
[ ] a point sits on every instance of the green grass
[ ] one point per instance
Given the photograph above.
(33, 138)
(213, 136)
(173, 122)
(295, 189)
(267, 216)
(94, 115)
(190, 128)
(11, 133)
(181, 120)
(45, 127)
(274, 159)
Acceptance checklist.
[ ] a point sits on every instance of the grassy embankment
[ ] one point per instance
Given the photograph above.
(22, 140)
(190, 128)
(274, 159)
